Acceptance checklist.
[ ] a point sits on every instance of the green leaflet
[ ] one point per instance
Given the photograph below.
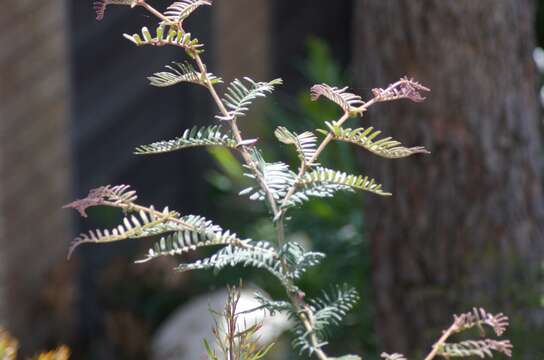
(163, 36)
(203, 136)
(328, 310)
(144, 224)
(240, 95)
(180, 73)
(305, 143)
(277, 177)
(181, 10)
(347, 101)
(202, 233)
(364, 137)
(259, 255)
(323, 183)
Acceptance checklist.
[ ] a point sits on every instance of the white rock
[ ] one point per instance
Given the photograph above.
(181, 336)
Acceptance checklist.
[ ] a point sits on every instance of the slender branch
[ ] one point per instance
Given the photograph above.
(176, 220)
(280, 232)
(310, 162)
(238, 136)
(136, 207)
(441, 341)
(154, 11)
(307, 321)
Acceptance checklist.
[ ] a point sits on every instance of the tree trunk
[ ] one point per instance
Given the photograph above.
(36, 283)
(464, 227)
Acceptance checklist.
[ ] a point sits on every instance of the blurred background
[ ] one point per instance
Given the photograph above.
(464, 228)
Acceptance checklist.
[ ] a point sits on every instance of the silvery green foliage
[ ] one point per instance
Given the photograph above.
(346, 100)
(328, 311)
(241, 94)
(385, 147)
(181, 72)
(181, 10)
(277, 177)
(298, 260)
(196, 136)
(278, 184)
(305, 144)
(481, 348)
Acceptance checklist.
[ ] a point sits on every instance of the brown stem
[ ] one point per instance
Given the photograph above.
(238, 136)
(154, 11)
(280, 232)
(310, 162)
(441, 341)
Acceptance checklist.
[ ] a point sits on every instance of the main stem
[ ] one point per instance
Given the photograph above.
(244, 151)
(304, 313)
(298, 304)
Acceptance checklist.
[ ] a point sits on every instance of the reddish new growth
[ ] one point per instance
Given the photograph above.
(502, 346)
(105, 195)
(100, 9)
(478, 317)
(403, 89)
(340, 96)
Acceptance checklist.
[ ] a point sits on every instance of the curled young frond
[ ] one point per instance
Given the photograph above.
(202, 233)
(180, 73)
(305, 143)
(298, 260)
(173, 36)
(277, 177)
(403, 89)
(480, 348)
(394, 356)
(324, 183)
(105, 195)
(100, 6)
(326, 312)
(479, 317)
(203, 136)
(347, 101)
(181, 10)
(146, 223)
(239, 96)
(364, 137)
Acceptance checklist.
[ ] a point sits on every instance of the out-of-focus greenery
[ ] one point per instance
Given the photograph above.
(334, 226)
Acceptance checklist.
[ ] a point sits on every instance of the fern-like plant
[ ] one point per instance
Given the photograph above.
(275, 183)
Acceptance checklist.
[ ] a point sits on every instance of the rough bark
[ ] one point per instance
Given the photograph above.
(464, 227)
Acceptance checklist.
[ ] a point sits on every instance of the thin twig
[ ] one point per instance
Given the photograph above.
(441, 341)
